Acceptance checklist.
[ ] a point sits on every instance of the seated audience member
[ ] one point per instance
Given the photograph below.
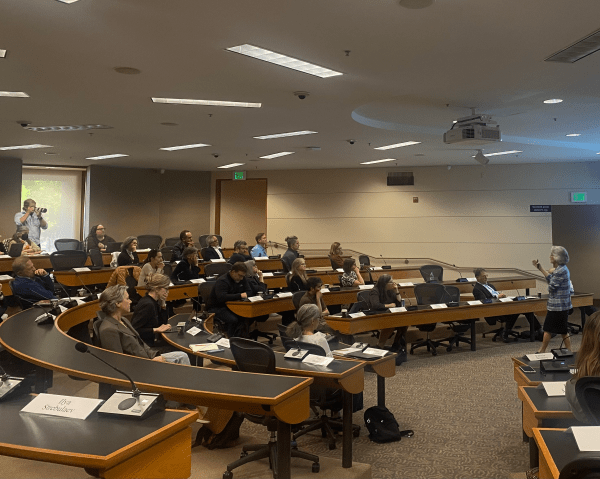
(98, 239)
(188, 267)
(117, 334)
(30, 284)
(255, 278)
(587, 364)
(335, 254)
(291, 254)
(240, 252)
(150, 316)
(213, 251)
(484, 290)
(185, 240)
(384, 295)
(351, 276)
(260, 249)
(22, 236)
(231, 286)
(298, 276)
(303, 328)
(154, 264)
(313, 294)
(2, 248)
(128, 255)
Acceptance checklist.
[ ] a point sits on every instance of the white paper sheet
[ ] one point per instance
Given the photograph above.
(254, 299)
(439, 306)
(473, 303)
(399, 309)
(587, 438)
(539, 356)
(357, 315)
(554, 388)
(317, 360)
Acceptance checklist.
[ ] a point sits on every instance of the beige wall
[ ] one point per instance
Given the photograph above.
(468, 216)
(10, 195)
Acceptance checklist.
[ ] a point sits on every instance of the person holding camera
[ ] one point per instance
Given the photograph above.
(31, 216)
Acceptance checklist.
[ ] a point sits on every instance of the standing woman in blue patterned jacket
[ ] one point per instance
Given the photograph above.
(559, 296)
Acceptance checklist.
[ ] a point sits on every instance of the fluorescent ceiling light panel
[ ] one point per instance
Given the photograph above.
(378, 161)
(283, 61)
(574, 134)
(68, 1)
(282, 135)
(14, 94)
(398, 145)
(553, 100)
(277, 155)
(232, 165)
(2, 53)
(179, 101)
(24, 147)
(105, 157)
(47, 129)
(184, 147)
(501, 153)
(578, 50)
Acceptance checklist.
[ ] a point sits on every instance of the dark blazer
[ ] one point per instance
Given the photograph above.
(256, 286)
(238, 257)
(288, 258)
(148, 315)
(210, 253)
(124, 259)
(185, 271)
(91, 242)
(122, 338)
(226, 289)
(178, 251)
(374, 302)
(296, 284)
(481, 292)
(35, 289)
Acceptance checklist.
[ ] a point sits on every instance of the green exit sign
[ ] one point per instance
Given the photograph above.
(578, 197)
(239, 175)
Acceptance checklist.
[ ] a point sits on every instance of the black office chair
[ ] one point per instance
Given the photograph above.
(323, 399)
(68, 259)
(581, 468)
(21, 302)
(113, 246)
(296, 297)
(253, 357)
(167, 253)
(149, 241)
(97, 260)
(333, 265)
(15, 250)
(287, 342)
(459, 328)
(428, 293)
(202, 240)
(105, 390)
(66, 244)
(432, 273)
(218, 269)
(587, 390)
(363, 259)
(172, 241)
(168, 269)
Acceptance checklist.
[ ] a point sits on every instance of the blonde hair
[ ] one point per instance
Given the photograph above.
(155, 281)
(296, 271)
(588, 357)
(334, 248)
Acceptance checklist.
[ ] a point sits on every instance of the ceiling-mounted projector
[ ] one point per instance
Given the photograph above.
(475, 129)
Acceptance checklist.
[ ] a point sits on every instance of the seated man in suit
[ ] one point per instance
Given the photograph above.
(213, 251)
(185, 240)
(484, 290)
(31, 285)
(291, 254)
(260, 249)
(232, 286)
(240, 252)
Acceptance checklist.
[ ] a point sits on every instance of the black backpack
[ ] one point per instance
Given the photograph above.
(382, 425)
(222, 440)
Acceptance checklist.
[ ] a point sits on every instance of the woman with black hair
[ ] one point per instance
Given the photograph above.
(384, 295)
(98, 239)
(128, 255)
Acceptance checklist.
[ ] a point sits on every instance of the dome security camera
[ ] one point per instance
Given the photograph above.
(301, 94)
(216, 155)
(351, 141)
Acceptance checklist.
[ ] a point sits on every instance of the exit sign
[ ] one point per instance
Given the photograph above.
(578, 197)
(239, 175)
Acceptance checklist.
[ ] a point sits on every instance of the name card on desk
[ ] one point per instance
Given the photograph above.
(267, 275)
(473, 303)
(404, 285)
(505, 300)
(340, 270)
(285, 294)
(438, 306)
(145, 250)
(377, 268)
(254, 299)
(198, 281)
(260, 258)
(554, 388)
(81, 270)
(400, 309)
(317, 360)
(357, 315)
(472, 280)
(324, 290)
(217, 261)
(539, 356)
(366, 286)
(62, 406)
(5, 256)
(223, 342)
(193, 331)
(587, 438)
(5, 277)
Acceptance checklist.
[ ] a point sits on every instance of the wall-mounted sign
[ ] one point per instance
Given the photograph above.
(578, 196)
(540, 208)
(239, 175)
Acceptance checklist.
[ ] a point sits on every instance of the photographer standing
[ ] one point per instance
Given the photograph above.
(32, 218)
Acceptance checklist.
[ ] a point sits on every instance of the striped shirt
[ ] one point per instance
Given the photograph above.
(559, 289)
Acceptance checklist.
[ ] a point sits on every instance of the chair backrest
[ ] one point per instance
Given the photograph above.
(288, 343)
(96, 332)
(202, 240)
(429, 293)
(204, 290)
(96, 257)
(167, 253)
(113, 246)
(288, 277)
(427, 270)
(296, 297)
(149, 241)
(252, 356)
(587, 390)
(217, 269)
(454, 294)
(364, 297)
(15, 250)
(63, 260)
(333, 265)
(581, 468)
(364, 259)
(64, 244)
(168, 270)
(172, 241)
(358, 306)
(311, 348)
(22, 302)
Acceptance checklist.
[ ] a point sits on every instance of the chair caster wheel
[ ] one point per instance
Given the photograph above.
(316, 467)
(449, 348)
(356, 432)
(494, 339)
(331, 446)
(228, 475)
(243, 454)
(434, 352)
(412, 352)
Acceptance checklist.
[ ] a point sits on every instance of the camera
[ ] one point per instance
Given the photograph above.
(301, 94)
(41, 210)
(351, 142)
(25, 124)
(216, 155)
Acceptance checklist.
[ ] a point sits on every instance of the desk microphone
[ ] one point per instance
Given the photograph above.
(450, 302)
(385, 266)
(519, 297)
(72, 303)
(7, 383)
(198, 303)
(92, 296)
(461, 279)
(47, 317)
(562, 352)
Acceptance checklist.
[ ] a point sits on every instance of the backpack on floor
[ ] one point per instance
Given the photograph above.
(224, 438)
(382, 425)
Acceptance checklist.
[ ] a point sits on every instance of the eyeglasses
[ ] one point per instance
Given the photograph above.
(100, 228)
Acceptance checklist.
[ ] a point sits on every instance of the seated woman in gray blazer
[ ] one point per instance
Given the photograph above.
(117, 334)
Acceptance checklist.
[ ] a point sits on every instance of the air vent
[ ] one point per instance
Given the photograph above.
(400, 178)
(47, 129)
(577, 50)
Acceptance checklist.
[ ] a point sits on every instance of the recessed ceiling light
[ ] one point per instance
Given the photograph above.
(127, 70)
(553, 100)
(283, 61)
(574, 134)
(50, 153)
(46, 129)
(232, 165)
(282, 135)
(398, 145)
(2, 53)
(184, 147)
(24, 147)
(169, 123)
(14, 94)
(179, 101)
(500, 153)
(276, 155)
(68, 1)
(378, 161)
(105, 157)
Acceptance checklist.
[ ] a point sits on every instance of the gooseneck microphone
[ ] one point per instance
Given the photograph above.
(385, 265)
(92, 296)
(195, 301)
(72, 303)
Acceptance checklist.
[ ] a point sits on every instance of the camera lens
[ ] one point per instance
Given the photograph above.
(43, 210)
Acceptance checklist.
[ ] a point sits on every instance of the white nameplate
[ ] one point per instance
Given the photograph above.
(405, 284)
(400, 309)
(357, 315)
(472, 280)
(376, 352)
(198, 281)
(81, 270)
(145, 250)
(267, 275)
(505, 300)
(345, 351)
(5, 256)
(555, 388)
(5, 277)
(193, 331)
(325, 290)
(198, 348)
(473, 303)
(223, 342)
(254, 299)
(539, 356)
(217, 261)
(317, 360)
(587, 438)
(377, 268)
(285, 294)
(439, 306)
(260, 258)
(63, 406)
(340, 270)
(366, 286)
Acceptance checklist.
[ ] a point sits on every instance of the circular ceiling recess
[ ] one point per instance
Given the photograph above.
(168, 123)
(414, 4)
(127, 70)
